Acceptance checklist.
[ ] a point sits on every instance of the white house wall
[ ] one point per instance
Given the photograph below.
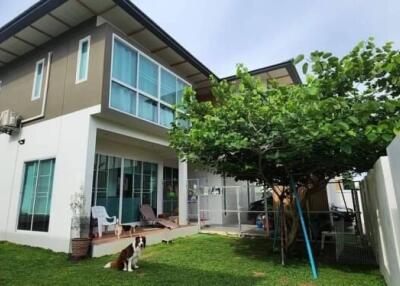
(68, 139)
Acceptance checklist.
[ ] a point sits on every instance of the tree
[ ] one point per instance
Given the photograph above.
(341, 119)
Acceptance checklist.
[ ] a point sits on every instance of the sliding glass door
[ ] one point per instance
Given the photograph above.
(170, 191)
(131, 191)
(108, 183)
(123, 198)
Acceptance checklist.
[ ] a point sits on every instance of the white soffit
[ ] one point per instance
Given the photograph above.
(50, 26)
(148, 40)
(33, 36)
(170, 56)
(6, 56)
(285, 80)
(202, 83)
(186, 68)
(278, 73)
(122, 20)
(72, 13)
(195, 78)
(56, 22)
(98, 6)
(264, 77)
(16, 46)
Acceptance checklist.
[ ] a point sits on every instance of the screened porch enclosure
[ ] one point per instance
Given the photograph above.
(122, 185)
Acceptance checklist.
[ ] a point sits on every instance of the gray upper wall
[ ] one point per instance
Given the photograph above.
(64, 96)
(58, 25)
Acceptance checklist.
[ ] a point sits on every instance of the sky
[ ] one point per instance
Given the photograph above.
(258, 33)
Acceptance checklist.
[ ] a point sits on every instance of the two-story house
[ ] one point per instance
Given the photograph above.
(94, 82)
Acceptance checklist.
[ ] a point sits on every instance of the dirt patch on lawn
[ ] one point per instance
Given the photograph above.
(258, 274)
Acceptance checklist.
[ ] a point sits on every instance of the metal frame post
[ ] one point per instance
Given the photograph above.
(305, 234)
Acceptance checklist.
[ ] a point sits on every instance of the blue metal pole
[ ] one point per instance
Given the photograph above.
(305, 234)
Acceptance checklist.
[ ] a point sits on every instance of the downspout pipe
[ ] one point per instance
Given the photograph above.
(46, 87)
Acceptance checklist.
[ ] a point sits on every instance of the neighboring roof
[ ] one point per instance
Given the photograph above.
(47, 19)
(277, 71)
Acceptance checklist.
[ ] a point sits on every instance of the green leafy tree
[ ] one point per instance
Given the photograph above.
(341, 119)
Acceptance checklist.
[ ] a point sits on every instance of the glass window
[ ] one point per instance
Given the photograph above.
(139, 186)
(124, 64)
(142, 87)
(38, 79)
(36, 196)
(170, 191)
(83, 60)
(109, 174)
(123, 98)
(166, 116)
(130, 203)
(149, 192)
(168, 87)
(148, 76)
(180, 86)
(147, 108)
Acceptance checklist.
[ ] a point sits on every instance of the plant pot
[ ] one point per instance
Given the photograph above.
(80, 247)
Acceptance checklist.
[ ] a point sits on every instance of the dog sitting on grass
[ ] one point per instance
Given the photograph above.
(129, 256)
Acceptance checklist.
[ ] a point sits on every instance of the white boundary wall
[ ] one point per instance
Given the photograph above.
(380, 192)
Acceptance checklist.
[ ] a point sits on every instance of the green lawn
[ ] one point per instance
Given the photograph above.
(197, 260)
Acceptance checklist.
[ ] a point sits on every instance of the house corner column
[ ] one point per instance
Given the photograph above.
(87, 186)
(183, 192)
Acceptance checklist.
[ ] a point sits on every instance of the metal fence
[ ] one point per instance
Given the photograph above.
(336, 234)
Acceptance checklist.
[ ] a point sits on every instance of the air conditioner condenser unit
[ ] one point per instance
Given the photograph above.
(10, 122)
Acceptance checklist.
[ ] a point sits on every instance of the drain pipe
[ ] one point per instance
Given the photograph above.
(46, 86)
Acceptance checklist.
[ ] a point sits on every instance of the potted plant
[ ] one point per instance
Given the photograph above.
(80, 224)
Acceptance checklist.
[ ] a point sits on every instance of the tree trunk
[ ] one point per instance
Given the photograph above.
(291, 216)
(266, 223)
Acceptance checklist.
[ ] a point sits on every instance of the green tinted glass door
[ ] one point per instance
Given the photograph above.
(36, 196)
(130, 202)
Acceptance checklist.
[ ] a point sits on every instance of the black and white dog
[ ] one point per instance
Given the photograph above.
(129, 256)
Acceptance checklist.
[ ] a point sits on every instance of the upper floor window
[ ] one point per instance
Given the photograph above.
(148, 76)
(37, 80)
(141, 87)
(82, 66)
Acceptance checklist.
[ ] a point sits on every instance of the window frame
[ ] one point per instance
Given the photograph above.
(136, 89)
(39, 95)
(121, 190)
(21, 192)
(79, 60)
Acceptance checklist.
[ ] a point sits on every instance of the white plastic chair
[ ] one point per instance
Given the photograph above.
(100, 213)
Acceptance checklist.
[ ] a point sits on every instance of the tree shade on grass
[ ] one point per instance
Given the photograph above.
(196, 260)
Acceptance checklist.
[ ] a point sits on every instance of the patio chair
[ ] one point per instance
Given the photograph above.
(100, 213)
(149, 216)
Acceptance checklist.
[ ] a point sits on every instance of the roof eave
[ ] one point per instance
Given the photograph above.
(288, 65)
(135, 12)
(27, 17)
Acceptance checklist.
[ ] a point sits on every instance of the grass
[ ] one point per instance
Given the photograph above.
(196, 260)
